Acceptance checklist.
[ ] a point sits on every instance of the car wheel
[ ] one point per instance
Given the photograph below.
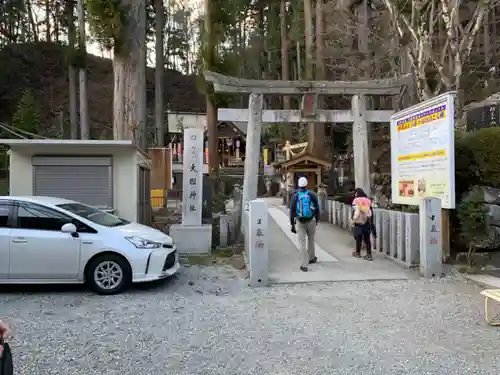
(109, 274)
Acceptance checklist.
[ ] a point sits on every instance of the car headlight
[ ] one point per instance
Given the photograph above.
(142, 243)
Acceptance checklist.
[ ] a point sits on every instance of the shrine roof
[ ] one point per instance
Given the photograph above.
(305, 158)
(235, 127)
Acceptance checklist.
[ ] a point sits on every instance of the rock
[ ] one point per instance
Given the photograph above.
(493, 215)
(379, 198)
(490, 195)
(491, 199)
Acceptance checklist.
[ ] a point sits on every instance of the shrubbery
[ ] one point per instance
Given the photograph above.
(477, 163)
(477, 159)
(471, 214)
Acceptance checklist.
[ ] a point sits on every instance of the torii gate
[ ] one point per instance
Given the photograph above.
(359, 115)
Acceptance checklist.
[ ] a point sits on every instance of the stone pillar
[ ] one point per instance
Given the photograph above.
(322, 200)
(430, 237)
(361, 146)
(258, 246)
(237, 153)
(412, 240)
(192, 183)
(252, 152)
(191, 237)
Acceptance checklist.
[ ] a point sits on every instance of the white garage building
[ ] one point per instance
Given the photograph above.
(110, 175)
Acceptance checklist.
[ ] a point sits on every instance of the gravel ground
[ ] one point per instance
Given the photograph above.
(207, 321)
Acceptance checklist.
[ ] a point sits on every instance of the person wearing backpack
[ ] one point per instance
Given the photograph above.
(304, 216)
(361, 220)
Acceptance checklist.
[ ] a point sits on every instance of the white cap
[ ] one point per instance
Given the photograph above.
(302, 182)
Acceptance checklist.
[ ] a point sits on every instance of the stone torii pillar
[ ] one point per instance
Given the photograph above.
(361, 144)
(358, 115)
(252, 152)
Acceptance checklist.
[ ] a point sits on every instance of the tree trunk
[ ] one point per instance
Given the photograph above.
(73, 105)
(363, 38)
(213, 140)
(31, 20)
(308, 30)
(129, 74)
(285, 64)
(82, 47)
(319, 127)
(159, 69)
(48, 36)
(57, 12)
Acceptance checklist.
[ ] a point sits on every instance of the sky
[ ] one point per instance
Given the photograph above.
(95, 49)
(195, 5)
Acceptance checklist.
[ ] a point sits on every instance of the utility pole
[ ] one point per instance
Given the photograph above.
(159, 69)
(82, 50)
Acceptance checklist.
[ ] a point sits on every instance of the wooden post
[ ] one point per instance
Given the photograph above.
(252, 152)
(445, 235)
(361, 145)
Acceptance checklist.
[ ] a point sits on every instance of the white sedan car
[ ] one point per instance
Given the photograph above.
(53, 240)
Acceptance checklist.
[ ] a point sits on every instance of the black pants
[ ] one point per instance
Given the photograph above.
(362, 234)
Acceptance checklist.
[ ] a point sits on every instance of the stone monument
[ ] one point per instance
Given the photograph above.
(258, 246)
(430, 237)
(191, 237)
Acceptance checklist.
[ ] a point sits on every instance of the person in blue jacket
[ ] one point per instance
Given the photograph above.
(304, 216)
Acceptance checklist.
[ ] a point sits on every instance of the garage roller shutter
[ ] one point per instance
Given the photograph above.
(88, 180)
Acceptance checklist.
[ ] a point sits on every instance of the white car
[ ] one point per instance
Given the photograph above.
(46, 240)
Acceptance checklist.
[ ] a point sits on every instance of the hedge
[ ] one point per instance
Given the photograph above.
(477, 159)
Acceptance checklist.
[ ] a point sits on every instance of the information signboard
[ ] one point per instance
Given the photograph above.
(423, 152)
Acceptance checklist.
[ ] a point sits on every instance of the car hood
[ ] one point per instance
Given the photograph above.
(143, 231)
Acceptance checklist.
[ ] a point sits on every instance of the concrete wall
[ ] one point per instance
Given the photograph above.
(125, 161)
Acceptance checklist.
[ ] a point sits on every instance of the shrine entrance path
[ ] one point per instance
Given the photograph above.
(333, 249)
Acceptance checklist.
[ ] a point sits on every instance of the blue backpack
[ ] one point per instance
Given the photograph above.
(304, 209)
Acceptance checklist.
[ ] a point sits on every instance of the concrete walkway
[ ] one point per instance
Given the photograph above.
(334, 249)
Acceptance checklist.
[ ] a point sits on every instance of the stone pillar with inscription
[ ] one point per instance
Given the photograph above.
(430, 238)
(258, 246)
(192, 177)
(191, 237)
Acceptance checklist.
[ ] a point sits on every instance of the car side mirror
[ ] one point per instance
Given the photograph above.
(68, 228)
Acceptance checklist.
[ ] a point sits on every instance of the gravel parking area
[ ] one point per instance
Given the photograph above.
(207, 321)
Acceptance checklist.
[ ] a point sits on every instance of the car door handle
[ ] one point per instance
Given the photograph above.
(20, 241)
(87, 242)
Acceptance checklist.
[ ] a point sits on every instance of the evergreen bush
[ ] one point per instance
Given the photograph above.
(27, 116)
(477, 159)
(471, 214)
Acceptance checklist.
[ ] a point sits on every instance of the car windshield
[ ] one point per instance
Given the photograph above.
(93, 214)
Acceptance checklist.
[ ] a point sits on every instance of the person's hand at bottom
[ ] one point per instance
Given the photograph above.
(4, 333)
